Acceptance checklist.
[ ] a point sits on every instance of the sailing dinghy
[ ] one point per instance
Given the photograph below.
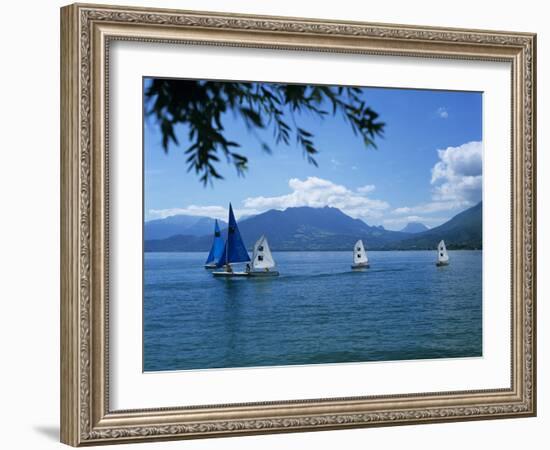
(262, 260)
(234, 251)
(216, 250)
(442, 255)
(360, 258)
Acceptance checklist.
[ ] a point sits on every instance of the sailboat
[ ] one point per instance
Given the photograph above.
(442, 255)
(360, 258)
(234, 251)
(262, 260)
(216, 250)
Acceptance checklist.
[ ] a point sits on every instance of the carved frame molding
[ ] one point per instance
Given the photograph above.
(86, 32)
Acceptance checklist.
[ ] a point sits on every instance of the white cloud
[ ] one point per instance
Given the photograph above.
(456, 180)
(457, 176)
(317, 192)
(443, 113)
(366, 189)
(314, 192)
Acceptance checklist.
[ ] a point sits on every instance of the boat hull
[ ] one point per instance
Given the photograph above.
(263, 274)
(360, 266)
(225, 274)
(441, 264)
(210, 266)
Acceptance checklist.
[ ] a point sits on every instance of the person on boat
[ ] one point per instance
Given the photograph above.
(247, 269)
(228, 268)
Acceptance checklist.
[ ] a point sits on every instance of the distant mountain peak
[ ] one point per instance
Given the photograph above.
(414, 227)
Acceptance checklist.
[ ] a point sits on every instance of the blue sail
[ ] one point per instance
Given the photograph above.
(217, 246)
(234, 250)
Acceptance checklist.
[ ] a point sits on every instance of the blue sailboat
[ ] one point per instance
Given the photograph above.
(234, 251)
(216, 250)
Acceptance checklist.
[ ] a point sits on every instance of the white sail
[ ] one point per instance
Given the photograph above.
(442, 255)
(262, 259)
(359, 253)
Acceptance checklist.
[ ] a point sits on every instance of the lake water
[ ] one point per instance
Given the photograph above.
(317, 311)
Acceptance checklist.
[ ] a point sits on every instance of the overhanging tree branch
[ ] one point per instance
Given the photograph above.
(261, 106)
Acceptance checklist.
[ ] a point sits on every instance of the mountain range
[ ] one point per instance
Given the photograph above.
(309, 229)
(463, 231)
(179, 224)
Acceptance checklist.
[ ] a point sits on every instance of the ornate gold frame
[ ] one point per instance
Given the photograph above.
(86, 31)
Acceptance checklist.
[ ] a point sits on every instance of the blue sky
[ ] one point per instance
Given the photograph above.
(427, 166)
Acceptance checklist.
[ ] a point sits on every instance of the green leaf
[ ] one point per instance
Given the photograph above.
(253, 116)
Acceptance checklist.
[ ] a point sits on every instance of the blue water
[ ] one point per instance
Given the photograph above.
(317, 311)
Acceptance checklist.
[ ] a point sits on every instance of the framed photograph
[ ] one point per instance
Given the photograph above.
(277, 225)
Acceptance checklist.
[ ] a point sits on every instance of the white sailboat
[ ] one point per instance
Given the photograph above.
(442, 255)
(262, 260)
(360, 258)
